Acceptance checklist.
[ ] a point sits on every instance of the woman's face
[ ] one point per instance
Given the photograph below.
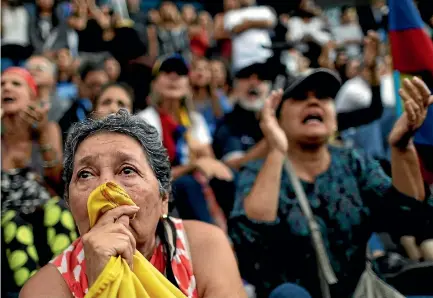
(308, 120)
(168, 11)
(15, 93)
(171, 85)
(205, 19)
(200, 74)
(111, 101)
(64, 60)
(105, 157)
(219, 75)
(112, 68)
(189, 14)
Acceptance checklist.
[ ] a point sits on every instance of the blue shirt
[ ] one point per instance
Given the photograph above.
(350, 201)
(205, 109)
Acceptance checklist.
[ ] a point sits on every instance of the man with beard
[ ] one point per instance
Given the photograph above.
(238, 138)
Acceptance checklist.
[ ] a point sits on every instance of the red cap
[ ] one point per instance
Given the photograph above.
(25, 74)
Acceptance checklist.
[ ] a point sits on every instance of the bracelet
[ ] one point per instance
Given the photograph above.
(45, 147)
(50, 164)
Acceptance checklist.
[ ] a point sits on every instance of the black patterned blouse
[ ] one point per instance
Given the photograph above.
(352, 199)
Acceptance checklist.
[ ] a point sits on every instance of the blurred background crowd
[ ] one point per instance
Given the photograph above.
(202, 61)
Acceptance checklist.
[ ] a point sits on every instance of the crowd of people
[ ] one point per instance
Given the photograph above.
(203, 120)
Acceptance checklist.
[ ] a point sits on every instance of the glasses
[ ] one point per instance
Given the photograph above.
(37, 67)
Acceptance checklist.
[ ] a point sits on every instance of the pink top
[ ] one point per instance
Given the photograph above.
(71, 264)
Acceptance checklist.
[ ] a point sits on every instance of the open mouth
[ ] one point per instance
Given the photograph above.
(253, 92)
(313, 118)
(8, 99)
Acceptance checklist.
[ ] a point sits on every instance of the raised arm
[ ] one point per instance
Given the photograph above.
(406, 172)
(219, 31)
(262, 202)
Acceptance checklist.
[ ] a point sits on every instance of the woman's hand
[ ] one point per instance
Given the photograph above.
(110, 237)
(198, 150)
(36, 116)
(417, 99)
(272, 131)
(213, 168)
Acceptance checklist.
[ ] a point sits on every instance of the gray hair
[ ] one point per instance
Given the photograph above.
(123, 123)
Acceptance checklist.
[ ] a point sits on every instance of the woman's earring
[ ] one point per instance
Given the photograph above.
(164, 216)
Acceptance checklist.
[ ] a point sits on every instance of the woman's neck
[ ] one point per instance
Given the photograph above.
(147, 249)
(200, 94)
(309, 161)
(170, 106)
(64, 76)
(45, 12)
(44, 92)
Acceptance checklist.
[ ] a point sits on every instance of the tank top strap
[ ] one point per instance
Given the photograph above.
(71, 264)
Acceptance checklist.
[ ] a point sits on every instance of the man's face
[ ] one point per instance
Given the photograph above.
(42, 71)
(92, 83)
(252, 92)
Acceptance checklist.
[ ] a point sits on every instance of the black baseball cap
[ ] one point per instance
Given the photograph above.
(259, 69)
(323, 81)
(171, 63)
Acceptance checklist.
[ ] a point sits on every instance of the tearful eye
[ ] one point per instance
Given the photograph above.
(128, 171)
(84, 175)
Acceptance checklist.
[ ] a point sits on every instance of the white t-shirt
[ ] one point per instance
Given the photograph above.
(199, 129)
(247, 45)
(387, 91)
(347, 32)
(15, 23)
(356, 94)
(298, 29)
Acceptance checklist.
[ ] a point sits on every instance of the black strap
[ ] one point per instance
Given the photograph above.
(169, 248)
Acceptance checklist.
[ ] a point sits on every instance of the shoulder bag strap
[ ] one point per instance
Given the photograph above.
(326, 273)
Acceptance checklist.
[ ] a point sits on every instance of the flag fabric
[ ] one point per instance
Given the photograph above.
(412, 54)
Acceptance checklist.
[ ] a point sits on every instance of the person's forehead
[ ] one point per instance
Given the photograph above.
(201, 63)
(94, 75)
(12, 76)
(107, 144)
(118, 91)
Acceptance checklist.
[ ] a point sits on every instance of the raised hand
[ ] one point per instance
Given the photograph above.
(110, 237)
(213, 168)
(272, 131)
(417, 99)
(36, 116)
(371, 48)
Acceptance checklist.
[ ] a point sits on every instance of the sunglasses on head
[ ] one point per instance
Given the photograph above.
(303, 94)
(248, 74)
(37, 67)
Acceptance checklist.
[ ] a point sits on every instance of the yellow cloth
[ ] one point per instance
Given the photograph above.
(117, 279)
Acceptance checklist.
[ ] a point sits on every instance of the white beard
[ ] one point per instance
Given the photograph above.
(252, 106)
